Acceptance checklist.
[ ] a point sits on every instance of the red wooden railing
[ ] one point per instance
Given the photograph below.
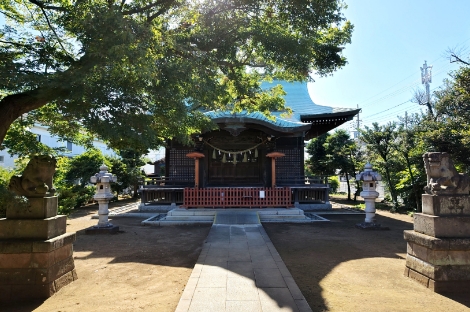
(237, 197)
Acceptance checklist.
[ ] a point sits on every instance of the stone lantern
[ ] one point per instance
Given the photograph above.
(103, 195)
(369, 180)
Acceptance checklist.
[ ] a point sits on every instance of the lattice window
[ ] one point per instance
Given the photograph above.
(181, 168)
(289, 169)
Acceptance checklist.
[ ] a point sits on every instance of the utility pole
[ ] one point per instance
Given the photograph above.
(356, 125)
(426, 79)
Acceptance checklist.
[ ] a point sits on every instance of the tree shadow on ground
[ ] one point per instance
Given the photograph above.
(312, 252)
(138, 255)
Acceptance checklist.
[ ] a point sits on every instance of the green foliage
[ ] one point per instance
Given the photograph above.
(7, 198)
(72, 197)
(449, 130)
(360, 206)
(82, 167)
(334, 183)
(136, 72)
(380, 142)
(330, 152)
(318, 163)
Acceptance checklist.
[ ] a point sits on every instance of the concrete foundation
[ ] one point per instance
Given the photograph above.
(36, 255)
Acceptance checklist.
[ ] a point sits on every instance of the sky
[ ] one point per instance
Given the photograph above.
(390, 42)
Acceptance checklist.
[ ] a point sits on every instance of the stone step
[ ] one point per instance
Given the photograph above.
(188, 218)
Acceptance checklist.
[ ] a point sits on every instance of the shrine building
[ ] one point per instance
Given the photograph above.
(250, 161)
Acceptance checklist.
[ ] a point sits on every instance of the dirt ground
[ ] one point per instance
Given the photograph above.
(337, 267)
(341, 268)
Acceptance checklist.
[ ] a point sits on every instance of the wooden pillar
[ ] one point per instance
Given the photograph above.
(273, 157)
(196, 156)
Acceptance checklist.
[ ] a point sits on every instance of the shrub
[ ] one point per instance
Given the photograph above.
(334, 183)
(73, 197)
(7, 198)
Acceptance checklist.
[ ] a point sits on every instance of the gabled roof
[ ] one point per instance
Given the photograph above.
(305, 114)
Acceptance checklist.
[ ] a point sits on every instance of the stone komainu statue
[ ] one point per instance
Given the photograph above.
(442, 177)
(36, 180)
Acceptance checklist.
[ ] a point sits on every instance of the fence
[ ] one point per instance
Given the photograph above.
(258, 197)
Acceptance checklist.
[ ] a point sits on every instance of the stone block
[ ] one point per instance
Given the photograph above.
(54, 272)
(440, 286)
(54, 243)
(32, 229)
(38, 208)
(439, 257)
(36, 274)
(5, 293)
(64, 280)
(438, 272)
(14, 261)
(442, 227)
(15, 246)
(27, 292)
(17, 276)
(446, 205)
(462, 244)
(26, 246)
(449, 286)
(423, 280)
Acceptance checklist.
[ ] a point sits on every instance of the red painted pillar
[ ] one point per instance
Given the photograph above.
(273, 157)
(196, 156)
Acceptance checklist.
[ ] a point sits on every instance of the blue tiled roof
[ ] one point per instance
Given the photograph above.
(297, 98)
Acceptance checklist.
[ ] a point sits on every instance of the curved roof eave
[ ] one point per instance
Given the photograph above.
(345, 113)
(279, 124)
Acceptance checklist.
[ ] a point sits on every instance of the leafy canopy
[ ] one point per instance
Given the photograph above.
(136, 72)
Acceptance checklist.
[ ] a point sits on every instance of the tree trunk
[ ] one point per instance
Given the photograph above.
(349, 187)
(15, 105)
(413, 183)
(390, 186)
(136, 189)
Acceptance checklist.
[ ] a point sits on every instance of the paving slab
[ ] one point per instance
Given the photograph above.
(240, 270)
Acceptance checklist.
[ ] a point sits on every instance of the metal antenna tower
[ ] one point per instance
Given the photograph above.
(426, 79)
(356, 125)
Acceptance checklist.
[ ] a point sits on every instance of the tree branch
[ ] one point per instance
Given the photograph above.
(14, 105)
(457, 59)
(16, 44)
(47, 7)
(141, 9)
(50, 26)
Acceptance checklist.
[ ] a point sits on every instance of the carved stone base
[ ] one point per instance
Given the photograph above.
(441, 264)
(35, 269)
(446, 205)
(38, 208)
(442, 226)
(33, 228)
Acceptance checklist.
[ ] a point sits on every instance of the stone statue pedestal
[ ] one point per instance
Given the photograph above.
(438, 249)
(36, 253)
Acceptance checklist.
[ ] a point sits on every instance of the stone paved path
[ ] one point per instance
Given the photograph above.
(240, 270)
